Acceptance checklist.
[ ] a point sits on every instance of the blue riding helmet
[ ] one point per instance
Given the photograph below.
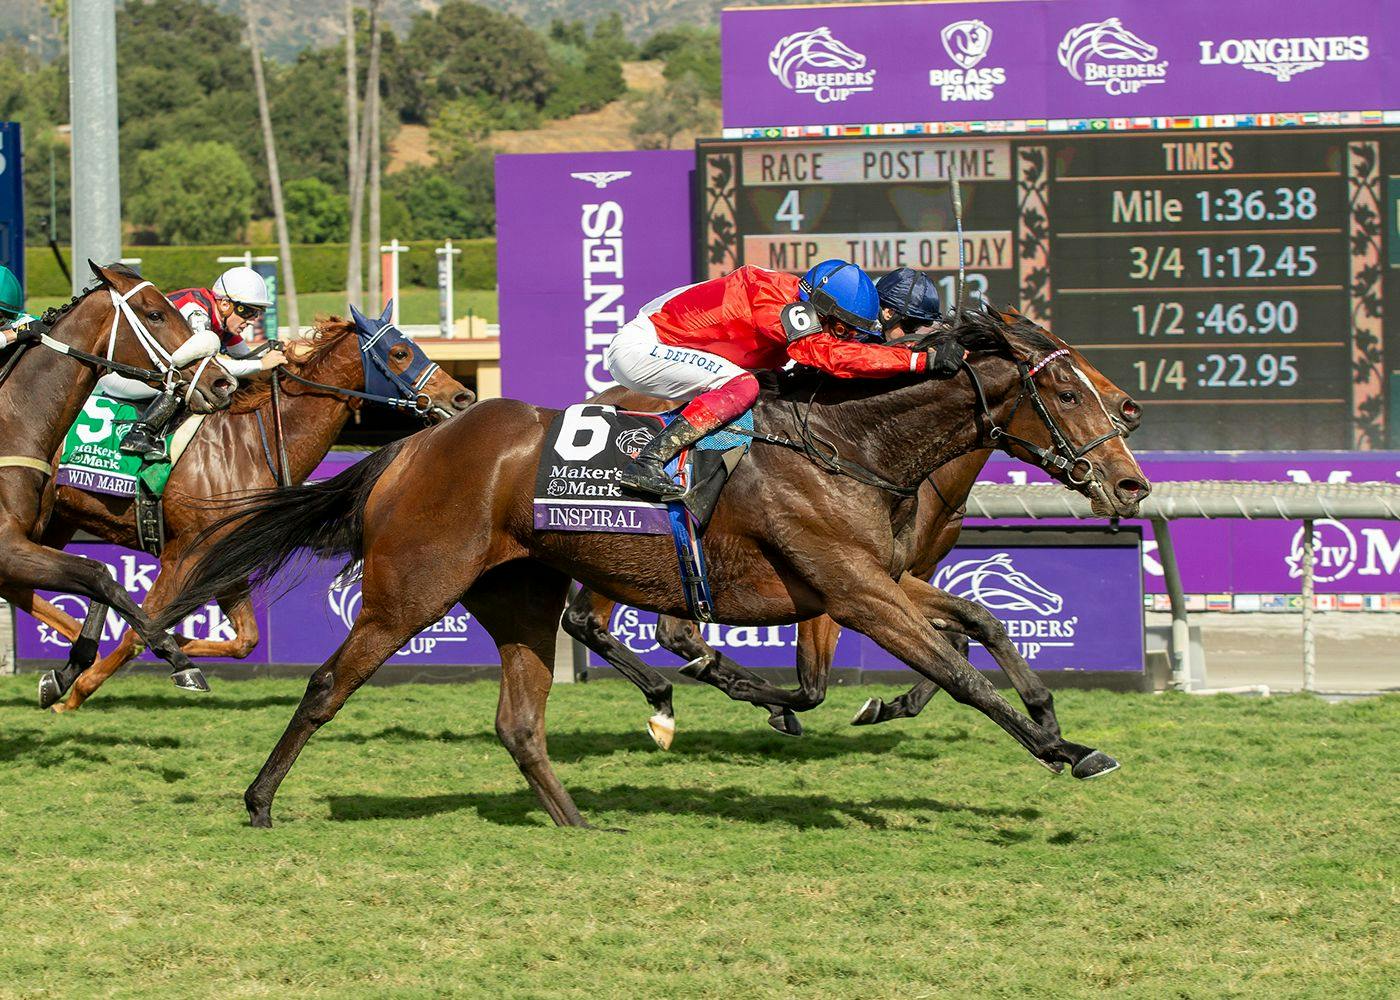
(839, 289)
(910, 293)
(377, 338)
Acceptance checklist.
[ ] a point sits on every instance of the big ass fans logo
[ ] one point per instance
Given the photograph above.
(1285, 58)
(967, 44)
(1106, 54)
(815, 63)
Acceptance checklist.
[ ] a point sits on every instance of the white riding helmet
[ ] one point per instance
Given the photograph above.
(243, 284)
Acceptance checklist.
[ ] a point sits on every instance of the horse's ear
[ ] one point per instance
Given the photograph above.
(360, 320)
(100, 272)
(388, 312)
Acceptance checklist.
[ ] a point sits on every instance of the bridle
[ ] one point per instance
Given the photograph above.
(166, 366)
(1061, 456)
(408, 395)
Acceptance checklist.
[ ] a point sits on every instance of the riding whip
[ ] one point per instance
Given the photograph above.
(962, 255)
(283, 474)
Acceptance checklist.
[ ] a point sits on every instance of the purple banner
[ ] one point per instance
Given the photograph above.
(583, 241)
(136, 572)
(1034, 59)
(1264, 557)
(1071, 607)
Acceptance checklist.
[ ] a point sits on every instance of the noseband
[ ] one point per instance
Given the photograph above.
(1061, 456)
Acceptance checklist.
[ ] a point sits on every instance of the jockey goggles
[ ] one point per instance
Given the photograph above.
(246, 311)
(826, 305)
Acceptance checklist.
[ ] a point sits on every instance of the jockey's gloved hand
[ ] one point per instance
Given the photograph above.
(945, 358)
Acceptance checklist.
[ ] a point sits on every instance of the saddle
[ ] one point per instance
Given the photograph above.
(576, 486)
(92, 461)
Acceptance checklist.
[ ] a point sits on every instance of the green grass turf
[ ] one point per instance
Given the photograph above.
(1247, 848)
(417, 305)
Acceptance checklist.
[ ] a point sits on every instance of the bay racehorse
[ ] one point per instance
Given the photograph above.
(932, 535)
(324, 384)
(446, 516)
(123, 324)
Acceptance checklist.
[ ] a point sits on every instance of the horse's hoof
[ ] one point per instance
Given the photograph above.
(49, 690)
(58, 708)
(662, 729)
(1096, 765)
(190, 679)
(869, 713)
(260, 821)
(1053, 766)
(787, 723)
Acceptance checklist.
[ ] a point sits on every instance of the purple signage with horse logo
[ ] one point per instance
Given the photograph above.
(1034, 59)
(583, 241)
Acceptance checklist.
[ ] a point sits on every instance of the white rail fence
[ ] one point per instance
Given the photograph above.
(1170, 501)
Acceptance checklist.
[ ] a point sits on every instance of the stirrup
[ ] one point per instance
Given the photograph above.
(640, 479)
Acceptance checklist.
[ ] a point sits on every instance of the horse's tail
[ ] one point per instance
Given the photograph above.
(267, 529)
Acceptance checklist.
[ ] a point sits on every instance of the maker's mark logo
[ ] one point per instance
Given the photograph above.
(967, 42)
(996, 584)
(1106, 54)
(813, 62)
(1285, 58)
(600, 178)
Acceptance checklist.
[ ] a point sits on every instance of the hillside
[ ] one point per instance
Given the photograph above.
(292, 25)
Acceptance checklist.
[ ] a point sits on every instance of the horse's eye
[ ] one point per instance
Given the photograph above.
(155, 316)
(400, 352)
(1068, 397)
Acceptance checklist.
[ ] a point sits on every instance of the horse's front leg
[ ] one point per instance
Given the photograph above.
(876, 606)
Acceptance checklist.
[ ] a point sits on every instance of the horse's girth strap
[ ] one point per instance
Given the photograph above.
(25, 462)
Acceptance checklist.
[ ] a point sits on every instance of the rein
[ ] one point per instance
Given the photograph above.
(1061, 456)
(420, 404)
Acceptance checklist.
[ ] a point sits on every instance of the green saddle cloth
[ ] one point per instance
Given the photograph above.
(92, 458)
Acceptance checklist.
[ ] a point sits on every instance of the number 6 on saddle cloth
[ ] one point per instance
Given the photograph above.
(576, 486)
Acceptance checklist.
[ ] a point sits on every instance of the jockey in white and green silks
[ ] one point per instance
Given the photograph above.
(12, 312)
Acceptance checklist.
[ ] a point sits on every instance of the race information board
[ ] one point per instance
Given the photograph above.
(1235, 282)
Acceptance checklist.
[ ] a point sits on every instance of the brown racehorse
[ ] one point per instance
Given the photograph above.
(227, 457)
(38, 403)
(937, 525)
(446, 516)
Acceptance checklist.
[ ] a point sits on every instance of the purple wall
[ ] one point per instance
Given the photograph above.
(583, 240)
(891, 63)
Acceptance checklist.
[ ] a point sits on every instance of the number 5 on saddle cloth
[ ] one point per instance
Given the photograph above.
(576, 487)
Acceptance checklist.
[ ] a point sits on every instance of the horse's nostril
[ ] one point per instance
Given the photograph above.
(1131, 489)
(463, 400)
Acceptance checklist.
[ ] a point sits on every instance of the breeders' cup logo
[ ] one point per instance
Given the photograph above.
(967, 43)
(631, 442)
(1285, 58)
(795, 57)
(1334, 552)
(1106, 54)
(997, 585)
(601, 178)
(343, 596)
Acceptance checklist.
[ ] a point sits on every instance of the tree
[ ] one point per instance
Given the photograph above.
(459, 204)
(316, 213)
(662, 114)
(192, 192)
(284, 243)
(467, 50)
(698, 56)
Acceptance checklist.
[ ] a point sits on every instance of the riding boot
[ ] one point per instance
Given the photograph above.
(147, 436)
(646, 474)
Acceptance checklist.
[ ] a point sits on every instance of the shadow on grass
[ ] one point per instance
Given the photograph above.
(55, 749)
(691, 744)
(174, 700)
(804, 812)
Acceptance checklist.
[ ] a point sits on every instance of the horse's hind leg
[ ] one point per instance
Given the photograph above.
(586, 619)
(395, 608)
(519, 604)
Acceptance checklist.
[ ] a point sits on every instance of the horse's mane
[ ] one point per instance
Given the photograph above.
(53, 314)
(304, 356)
(1003, 333)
